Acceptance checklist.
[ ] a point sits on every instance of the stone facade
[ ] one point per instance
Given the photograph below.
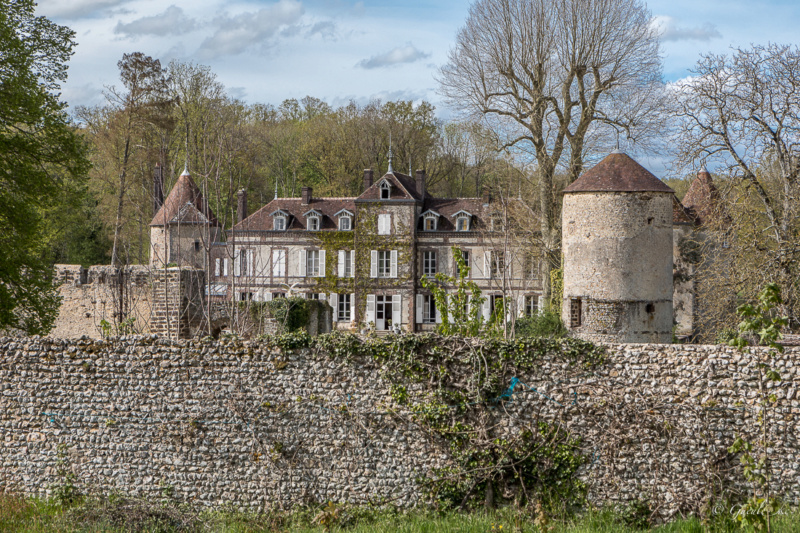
(617, 229)
(231, 422)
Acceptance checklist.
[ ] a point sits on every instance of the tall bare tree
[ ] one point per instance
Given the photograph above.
(740, 113)
(550, 75)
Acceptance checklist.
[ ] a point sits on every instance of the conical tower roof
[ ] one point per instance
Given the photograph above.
(618, 172)
(185, 205)
(702, 198)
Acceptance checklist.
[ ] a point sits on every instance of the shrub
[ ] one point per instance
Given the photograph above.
(544, 324)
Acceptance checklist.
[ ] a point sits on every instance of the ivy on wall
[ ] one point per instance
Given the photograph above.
(457, 389)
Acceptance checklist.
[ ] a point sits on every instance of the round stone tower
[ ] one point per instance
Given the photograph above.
(617, 246)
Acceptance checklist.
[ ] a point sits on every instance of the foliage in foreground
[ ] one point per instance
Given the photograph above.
(120, 514)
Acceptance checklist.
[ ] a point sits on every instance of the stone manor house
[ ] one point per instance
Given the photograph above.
(367, 255)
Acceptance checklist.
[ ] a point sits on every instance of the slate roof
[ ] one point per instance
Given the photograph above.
(185, 205)
(448, 207)
(262, 219)
(702, 199)
(618, 172)
(403, 188)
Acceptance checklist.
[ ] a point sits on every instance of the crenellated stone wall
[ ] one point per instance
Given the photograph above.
(243, 423)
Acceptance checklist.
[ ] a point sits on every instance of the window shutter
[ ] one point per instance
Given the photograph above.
(487, 264)
(487, 307)
(217, 262)
(397, 312)
(225, 266)
(321, 272)
(521, 305)
(237, 264)
(334, 301)
(302, 263)
(370, 308)
(394, 264)
(282, 261)
(323, 297)
(420, 303)
(352, 264)
(438, 314)
(352, 307)
(373, 263)
(268, 297)
(540, 302)
(250, 263)
(340, 268)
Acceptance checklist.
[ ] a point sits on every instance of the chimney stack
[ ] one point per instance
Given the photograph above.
(158, 188)
(421, 183)
(306, 192)
(487, 195)
(367, 178)
(241, 208)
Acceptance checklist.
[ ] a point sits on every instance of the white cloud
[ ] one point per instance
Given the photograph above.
(75, 9)
(173, 21)
(395, 56)
(236, 34)
(669, 30)
(325, 29)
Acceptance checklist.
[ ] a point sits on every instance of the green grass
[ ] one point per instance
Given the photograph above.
(116, 514)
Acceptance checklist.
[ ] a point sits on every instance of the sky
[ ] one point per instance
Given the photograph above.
(266, 51)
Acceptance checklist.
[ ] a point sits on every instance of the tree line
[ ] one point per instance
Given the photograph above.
(543, 88)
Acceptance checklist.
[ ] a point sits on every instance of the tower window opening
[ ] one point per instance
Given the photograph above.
(575, 312)
(650, 308)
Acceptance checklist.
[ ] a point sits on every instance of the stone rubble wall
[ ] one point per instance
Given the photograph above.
(232, 422)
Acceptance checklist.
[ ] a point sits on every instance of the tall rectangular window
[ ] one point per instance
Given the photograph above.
(278, 263)
(428, 309)
(531, 305)
(344, 307)
(466, 257)
(429, 263)
(384, 224)
(384, 264)
(218, 266)
(531, 266)
(348, 265)
(498, 264)
(312, 263)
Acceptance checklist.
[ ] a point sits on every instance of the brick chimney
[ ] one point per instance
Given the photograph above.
(306, 193)
(158, 188)
(420, 175)
(241, 207)
(368, 174)
(487, 195)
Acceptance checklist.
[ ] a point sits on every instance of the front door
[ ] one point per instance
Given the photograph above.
(383, 313)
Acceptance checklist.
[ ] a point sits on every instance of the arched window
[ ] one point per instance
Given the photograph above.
(313, 223)
(386, 190)
(279, 223)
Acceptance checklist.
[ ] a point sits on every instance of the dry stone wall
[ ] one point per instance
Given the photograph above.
(232, 422)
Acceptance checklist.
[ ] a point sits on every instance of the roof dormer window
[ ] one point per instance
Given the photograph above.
(280, 220)
(345, 220)
(386, 190)
(463, 221)
(313, 220)
(430, 220)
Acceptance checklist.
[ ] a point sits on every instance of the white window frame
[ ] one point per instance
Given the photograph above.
(313, 223)
(279, 223)
(217, 266)
(433, 220)
(345, 220)
(279, 262)
(314, 263)
(429, 310)
(429, 266)
(344, 307)
(384, 263)
(462, 220)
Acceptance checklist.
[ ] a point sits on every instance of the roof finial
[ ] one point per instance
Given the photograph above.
(185, 169)
(390, 171)
(276, 189)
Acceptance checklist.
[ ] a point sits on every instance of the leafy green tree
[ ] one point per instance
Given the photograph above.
(39, 149)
